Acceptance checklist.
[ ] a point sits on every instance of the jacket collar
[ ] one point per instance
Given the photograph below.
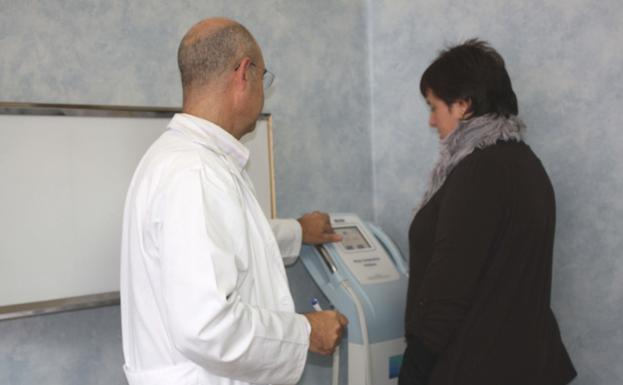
(211, 136)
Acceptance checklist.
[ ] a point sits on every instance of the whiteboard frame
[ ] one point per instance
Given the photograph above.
(50, 109)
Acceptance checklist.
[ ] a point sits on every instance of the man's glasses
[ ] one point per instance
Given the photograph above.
(267, 77)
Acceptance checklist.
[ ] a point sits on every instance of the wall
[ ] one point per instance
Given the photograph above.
(566, 64)
(67, 348)
(124, 52)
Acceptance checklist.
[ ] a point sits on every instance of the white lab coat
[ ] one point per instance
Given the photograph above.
(204, 293)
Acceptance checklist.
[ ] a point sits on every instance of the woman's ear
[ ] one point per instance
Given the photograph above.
(464, 107)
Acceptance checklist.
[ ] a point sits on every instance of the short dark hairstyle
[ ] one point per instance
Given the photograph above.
(475, 72)
(202, 58)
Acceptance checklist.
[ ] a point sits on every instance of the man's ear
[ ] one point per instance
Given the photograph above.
(241, 74)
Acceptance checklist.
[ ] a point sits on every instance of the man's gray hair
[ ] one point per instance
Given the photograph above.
(203, 58)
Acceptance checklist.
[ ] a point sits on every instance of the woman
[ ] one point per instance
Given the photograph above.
(478, 305)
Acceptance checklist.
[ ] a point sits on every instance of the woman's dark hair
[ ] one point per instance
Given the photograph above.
(472, 71)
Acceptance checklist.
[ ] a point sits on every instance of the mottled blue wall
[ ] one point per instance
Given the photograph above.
(124, 52)
(66, 348)
(565, 59)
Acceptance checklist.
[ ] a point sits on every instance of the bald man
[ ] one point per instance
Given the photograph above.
(204, 294)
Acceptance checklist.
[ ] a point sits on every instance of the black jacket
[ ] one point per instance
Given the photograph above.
(478, 305)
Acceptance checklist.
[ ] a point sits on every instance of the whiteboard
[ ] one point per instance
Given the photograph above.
(64, 180)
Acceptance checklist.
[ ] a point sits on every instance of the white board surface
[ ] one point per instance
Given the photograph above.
(63, 186)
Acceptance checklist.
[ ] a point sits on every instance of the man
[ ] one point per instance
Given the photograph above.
(204, 294)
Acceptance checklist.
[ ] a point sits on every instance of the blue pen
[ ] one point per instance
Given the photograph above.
(316, 304)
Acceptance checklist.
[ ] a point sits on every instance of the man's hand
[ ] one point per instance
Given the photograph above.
(317, 229)
(326, 330)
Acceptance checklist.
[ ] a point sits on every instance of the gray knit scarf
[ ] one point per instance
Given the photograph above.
(471, 134)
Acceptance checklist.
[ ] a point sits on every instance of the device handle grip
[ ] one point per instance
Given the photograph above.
(391, 248)
(326, 257)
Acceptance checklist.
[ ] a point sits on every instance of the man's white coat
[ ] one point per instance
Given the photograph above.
(204, 293)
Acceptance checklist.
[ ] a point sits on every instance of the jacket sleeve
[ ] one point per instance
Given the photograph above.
(470, 216)
(202, 230)
(289, 237)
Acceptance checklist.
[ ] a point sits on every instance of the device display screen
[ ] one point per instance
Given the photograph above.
(352, 239)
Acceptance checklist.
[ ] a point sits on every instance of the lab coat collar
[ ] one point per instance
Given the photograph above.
(208, 134)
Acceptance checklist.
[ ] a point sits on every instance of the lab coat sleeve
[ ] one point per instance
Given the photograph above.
(202, 229)
(289, 235)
